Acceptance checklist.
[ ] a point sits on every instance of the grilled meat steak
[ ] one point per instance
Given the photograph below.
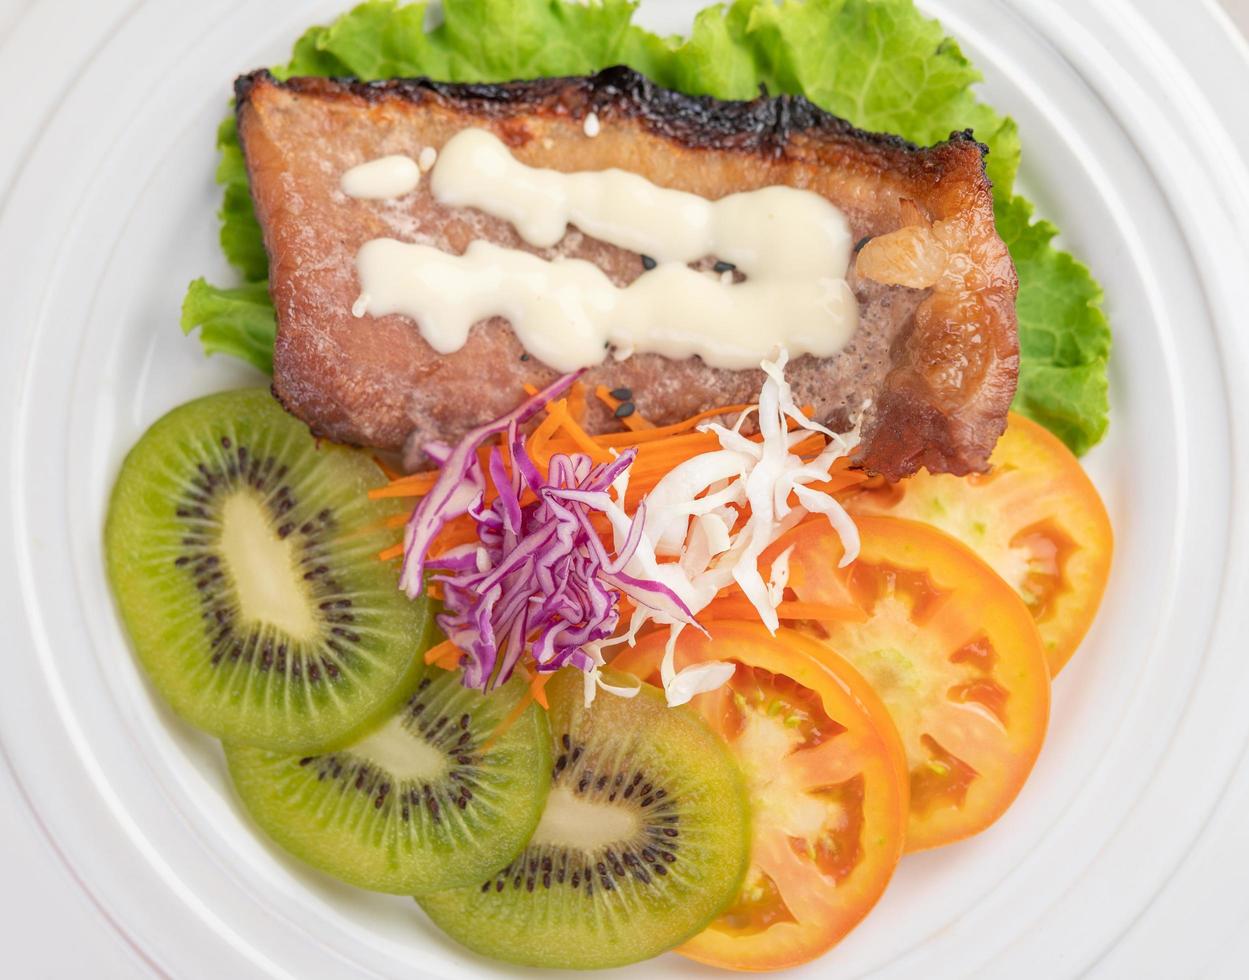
(935, 355)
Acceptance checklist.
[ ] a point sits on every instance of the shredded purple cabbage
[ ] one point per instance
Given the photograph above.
(460, 483)
(539, 578)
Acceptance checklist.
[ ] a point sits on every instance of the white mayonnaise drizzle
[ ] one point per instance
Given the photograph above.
(385, 177)
(792, 246)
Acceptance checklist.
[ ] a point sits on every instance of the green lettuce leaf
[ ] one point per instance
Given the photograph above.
(878, 63)
(1064, 337)
(239, 322)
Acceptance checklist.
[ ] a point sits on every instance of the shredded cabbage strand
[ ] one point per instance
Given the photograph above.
(694, 513)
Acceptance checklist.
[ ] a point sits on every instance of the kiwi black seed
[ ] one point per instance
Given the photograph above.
(243, 556)
(643, 842)
(431, 799)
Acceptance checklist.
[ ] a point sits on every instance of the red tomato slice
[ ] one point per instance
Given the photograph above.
(1035, 517)
(828, 785)
(951, 650)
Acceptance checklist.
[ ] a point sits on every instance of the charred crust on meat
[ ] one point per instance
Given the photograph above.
(761, 125)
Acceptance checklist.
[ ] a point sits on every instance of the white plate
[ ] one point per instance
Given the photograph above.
(111, 213)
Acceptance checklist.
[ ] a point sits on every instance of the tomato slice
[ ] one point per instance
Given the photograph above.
(827, 778)
(1035, 517)
(951, 650)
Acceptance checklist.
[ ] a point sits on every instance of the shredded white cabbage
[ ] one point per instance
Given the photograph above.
(691, 514)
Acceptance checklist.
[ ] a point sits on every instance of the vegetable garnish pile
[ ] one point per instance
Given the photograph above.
(535, 543)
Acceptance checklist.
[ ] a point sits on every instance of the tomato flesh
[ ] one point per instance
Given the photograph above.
(951, 651)
(828, 785)
(1035, 517)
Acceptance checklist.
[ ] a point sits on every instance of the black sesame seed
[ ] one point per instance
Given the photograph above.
(722, 266)
(524, 357)
(624, 410)
(648, 263)
(858, 246)
(622, 394)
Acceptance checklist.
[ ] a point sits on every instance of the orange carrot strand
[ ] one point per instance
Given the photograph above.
(576, 402)
(442, 653)
(537, 687)
(634, 421)
(416, 485)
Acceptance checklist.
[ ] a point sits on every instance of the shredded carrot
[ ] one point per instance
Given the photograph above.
(391, 553)
(541, 436)
(445, 655)
(633, 421)
(537, 687)
(840, 481)
(576, 402)
(416, 485)
(585, 443)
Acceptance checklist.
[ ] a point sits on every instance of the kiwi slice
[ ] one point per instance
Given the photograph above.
(243, 555)
(431, 799)
(644, 840)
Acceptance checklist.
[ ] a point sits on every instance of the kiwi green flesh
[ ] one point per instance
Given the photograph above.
(243, 557)
(644, 841)
(425, 801)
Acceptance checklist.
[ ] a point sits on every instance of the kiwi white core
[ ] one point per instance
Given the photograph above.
(262, 567)
(401, 753)
(575, 822)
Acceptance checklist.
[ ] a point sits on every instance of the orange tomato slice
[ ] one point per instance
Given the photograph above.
(1035, 517)
(950, 649)
(828, 786)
